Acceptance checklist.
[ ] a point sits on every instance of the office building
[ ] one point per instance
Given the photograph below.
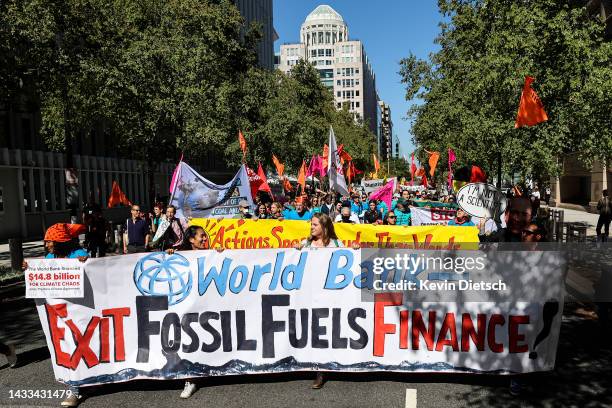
(342, 63)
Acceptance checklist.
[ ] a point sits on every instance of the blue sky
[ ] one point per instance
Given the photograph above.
(390, 30)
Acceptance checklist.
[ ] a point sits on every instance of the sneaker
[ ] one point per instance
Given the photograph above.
(189, 390)
(318, 382)
(516, 387)
(72, 401)
(11, 356)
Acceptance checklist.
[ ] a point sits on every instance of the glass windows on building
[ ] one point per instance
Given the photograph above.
(294, 52)
(348, 94)
(348, 49)
(329, 52)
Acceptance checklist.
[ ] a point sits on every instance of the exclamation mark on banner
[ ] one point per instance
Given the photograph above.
(549, 311)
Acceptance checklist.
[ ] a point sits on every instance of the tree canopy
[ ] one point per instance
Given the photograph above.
(164, 76)
(470, 88)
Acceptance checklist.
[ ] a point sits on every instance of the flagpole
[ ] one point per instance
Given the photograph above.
(499, 169)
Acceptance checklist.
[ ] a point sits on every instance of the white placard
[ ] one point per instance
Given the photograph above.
(481, 200)
(54, 278)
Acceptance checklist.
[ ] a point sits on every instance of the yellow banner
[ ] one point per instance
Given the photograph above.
(249, 234)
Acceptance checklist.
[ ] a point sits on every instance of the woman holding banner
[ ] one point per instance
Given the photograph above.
(322, 233)
(62, 241)
(196, 239)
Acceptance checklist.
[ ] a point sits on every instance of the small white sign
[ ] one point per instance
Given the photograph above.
(54, 278)
(372, 185)
(481, 200)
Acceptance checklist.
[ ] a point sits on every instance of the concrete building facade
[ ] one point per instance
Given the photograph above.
(342, 63)
(261, 11)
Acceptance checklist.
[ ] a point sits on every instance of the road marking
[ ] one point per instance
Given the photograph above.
(411, 397)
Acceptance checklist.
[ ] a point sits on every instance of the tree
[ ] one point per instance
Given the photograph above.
(471, 86)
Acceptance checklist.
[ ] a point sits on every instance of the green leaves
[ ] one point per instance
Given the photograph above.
(471, 87)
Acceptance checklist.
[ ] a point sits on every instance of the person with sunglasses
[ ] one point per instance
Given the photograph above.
(390, 218)
(532, 233)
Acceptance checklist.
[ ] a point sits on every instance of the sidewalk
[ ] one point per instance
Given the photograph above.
(33, 249)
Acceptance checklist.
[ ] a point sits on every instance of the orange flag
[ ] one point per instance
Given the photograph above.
(302, 176)
(531, 110)
(280, 168)
(243, 144)
(349, 172)
(433, 162)
(325, 156)
(287, 185)
(376, 163)
(117, 197)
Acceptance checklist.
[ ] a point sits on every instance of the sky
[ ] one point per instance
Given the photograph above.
(389, 29)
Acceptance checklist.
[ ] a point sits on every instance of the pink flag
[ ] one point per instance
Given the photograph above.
(175, 175)
(312, 167)
(451, 159)
(385, 193)
(322, 169)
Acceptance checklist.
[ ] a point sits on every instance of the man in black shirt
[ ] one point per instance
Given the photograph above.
(137, 233)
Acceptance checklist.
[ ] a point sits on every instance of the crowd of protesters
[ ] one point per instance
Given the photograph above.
(322, 209)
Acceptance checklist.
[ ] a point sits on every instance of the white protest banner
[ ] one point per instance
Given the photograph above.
(54, 278)
(481, 200)
(203, 313)
(196, 197)
(422, 216)
(372, 185)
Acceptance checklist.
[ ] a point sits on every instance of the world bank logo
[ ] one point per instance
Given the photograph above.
(160, 274)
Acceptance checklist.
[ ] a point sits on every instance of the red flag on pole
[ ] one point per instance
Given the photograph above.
(117, 197)
(254, 181)
(531, 110)
(264, 185)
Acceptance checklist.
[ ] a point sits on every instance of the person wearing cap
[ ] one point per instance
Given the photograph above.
(402, 212)
(62, 241)
(244, 211)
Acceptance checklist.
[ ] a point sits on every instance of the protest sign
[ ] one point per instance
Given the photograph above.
(481, 200)
(194, 196)
(422, 216)
(372, 185)
(54, 278)
(203, 313)
(248, 234)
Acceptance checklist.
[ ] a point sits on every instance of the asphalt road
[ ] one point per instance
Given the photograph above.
(581, 378)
